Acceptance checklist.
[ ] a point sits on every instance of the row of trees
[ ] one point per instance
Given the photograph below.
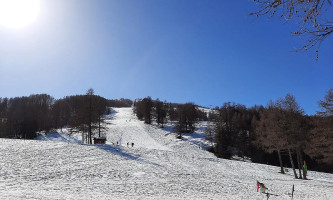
(280, 127)
(234, 130)
(24, 117)
(82, 113)
(118, 103)
(185, 116)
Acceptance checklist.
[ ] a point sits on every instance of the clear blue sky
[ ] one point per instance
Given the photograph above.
(207, 52)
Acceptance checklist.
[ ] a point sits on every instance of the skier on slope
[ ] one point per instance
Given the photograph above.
(261, 187)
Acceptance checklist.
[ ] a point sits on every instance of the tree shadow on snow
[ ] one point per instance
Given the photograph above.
(195, 139)
(168, 128)
(111, 115)
(119, 151)
(58, 137)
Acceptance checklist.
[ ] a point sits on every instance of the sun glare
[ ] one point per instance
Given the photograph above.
(18, 13)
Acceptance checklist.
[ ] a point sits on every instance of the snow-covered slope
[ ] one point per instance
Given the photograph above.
(157, 167)
(126, 128)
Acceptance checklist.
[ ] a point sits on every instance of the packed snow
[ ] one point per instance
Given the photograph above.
(158, 166)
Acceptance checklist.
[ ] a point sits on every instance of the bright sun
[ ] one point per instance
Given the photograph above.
(18, 13)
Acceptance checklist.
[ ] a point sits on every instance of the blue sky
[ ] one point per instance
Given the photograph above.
(207, 52)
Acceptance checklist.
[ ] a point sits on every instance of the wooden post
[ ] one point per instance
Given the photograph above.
(292, 192)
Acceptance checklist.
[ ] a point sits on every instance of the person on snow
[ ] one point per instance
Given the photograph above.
(261, 187)
(305, 169)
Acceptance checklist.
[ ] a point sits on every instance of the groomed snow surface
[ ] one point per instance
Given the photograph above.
(159, 166)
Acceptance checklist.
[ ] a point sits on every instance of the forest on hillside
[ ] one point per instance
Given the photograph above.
(25, 117)
(278, 134)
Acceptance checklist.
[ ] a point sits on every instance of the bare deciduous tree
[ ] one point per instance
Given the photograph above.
(326, 105)
(269, 133)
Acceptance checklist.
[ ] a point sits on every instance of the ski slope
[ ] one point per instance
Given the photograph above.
(126, 128)
(159, 166)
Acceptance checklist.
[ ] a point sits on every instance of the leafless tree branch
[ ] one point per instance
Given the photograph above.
(311, 15)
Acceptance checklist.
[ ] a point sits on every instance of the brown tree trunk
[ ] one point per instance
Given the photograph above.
(90, 133)
(280, 159)
(292, 163)
(99, 126)
(304, 173)
(90, 119)
(83, 137)
(299, 162)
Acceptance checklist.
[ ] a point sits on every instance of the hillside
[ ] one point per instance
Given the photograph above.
(159, 166)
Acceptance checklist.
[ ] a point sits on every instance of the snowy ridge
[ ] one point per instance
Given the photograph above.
(159, 166)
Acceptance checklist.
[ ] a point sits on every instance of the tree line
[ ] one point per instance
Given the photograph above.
(25, 117)
(185, 116)
(280, 127)
(279, 133)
